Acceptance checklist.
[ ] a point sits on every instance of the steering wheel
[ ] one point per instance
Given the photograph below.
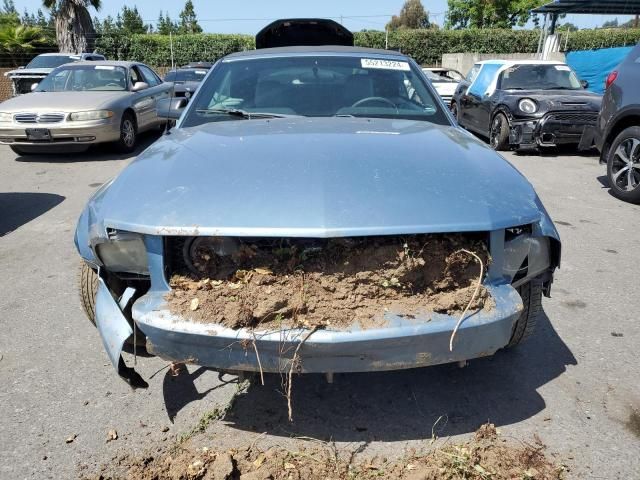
(113, 84)
(374, 99)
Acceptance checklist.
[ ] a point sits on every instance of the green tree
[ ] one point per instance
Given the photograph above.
(412, 15)
(165, 24)
(189, 20)
(610, 24)
(9, 7)
(74, 29)
(131, 21)
(567, 27)
(20, 41)
(490, 14)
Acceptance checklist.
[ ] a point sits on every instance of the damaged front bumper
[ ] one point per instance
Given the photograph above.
(403, 342)
(554, 128)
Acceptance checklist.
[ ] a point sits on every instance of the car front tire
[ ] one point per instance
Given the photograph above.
(499, 133)
(88, 289)
(128, 134)
(531, 294)
(623, 165)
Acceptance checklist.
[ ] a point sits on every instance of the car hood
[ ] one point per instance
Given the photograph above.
(60, 101)
(315, 177)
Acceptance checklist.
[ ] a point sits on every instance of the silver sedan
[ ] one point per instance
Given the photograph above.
(83, 103)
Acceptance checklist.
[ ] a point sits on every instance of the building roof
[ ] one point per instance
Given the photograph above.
(601, 7)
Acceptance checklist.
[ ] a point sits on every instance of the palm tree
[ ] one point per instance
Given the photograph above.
(74, 28)
(20, 41)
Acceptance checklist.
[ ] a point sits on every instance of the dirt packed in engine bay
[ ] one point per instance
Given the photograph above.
(332, 283)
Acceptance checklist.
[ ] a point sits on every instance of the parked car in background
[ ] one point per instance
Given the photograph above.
(24, 78)
(289, 155)
(445, 81)
(617, 133)
(525, 104)
(187, 78)
(82, 103)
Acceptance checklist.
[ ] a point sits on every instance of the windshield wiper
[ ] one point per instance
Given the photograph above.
(559, 88)
(236, 112)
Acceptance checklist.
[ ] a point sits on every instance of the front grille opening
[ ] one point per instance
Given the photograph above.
(245, 282)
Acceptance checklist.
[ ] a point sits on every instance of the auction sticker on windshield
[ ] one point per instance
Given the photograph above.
(385, 64)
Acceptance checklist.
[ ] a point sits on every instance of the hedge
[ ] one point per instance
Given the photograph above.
(425, 46)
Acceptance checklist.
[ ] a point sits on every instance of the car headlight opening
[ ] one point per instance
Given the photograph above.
(124, 252)
(528, 106)
(5, 117)
(91, 115)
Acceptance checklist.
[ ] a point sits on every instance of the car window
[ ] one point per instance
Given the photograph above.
(473, 73)
(316, 86)
(484, 79)
(534, 77)
(149, 76)
(186, 75)
(84, 78)
(135, 76)
(51, 61)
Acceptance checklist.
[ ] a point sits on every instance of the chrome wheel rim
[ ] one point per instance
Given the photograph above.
(496, 128)
(128, 133)
(625, 166)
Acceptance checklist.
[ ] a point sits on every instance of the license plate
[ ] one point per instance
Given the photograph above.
(38, 134)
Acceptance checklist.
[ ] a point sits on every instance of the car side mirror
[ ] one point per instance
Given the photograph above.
(34, 86)
(584, 84)
(139, 86)
(171, 108)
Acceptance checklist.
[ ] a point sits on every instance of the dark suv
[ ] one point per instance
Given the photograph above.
(617, 133)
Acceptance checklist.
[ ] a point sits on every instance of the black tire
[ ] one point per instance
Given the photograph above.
(625, 185)
(128, 134)
(499, 132)
(454, 111)
(531, 294)
(88, 288)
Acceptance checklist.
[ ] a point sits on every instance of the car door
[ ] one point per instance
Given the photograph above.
(143, 101)
(464, 103)
(159, 90)
(478, 97)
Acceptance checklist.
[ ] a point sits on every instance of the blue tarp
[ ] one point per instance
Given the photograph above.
(595, 65)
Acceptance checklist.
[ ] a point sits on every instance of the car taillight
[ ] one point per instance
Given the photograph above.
(610, 79)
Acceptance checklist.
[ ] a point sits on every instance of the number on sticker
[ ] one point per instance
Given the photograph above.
(385, 64)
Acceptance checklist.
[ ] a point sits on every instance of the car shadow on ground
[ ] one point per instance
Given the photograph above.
(19, 208)
(559, 151)
(95, 153)
(401, 405)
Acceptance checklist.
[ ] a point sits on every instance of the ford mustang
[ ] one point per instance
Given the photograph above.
(316, 206)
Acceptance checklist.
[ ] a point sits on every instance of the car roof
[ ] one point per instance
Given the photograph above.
(338, 49)
(520, 62)
(109, 63)
(66, 54)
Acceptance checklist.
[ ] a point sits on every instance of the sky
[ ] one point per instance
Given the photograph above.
(249, 16)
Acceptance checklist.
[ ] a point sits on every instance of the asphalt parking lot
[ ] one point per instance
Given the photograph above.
(574, 384)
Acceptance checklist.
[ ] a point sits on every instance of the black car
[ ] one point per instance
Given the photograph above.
(525, 104)
(186, 79)
(617, 133)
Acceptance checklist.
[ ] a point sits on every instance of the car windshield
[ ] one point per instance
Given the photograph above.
(315, 86)
(51, 61)
(85, 78)
(191, 75)
(535, 77)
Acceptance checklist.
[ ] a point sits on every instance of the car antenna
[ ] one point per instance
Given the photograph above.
(173, 88)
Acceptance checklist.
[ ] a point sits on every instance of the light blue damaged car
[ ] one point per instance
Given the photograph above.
(309, 143)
